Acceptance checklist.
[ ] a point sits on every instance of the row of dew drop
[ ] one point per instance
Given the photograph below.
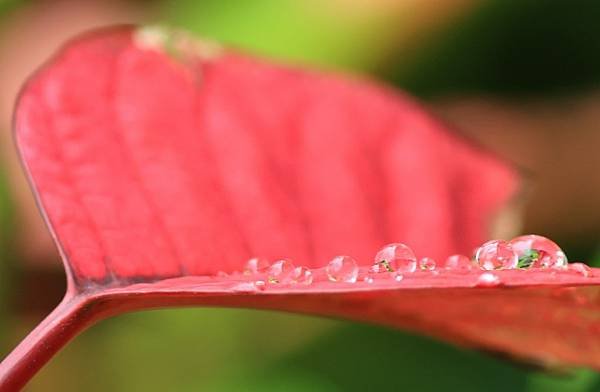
(395, 261)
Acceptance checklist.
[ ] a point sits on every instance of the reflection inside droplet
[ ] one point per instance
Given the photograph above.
(281, 271)
(395, 257)
(342, 269)
(496, 254)
(535, 251)
(427, 264)
(256, 265)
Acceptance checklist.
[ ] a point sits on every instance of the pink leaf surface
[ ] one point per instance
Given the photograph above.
(159, 162)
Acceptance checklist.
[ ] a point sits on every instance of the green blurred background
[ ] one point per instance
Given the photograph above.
(520, 77)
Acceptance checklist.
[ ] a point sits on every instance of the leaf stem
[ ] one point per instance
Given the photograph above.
(69, 318)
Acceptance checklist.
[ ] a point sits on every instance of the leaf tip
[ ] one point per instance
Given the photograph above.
(178, 44)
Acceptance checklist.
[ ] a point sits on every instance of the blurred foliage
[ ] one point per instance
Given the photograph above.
(175, 350)
(241, 350)
(367, 358)
(286, 29)
(357, 357)
(580, 381)
(6, 253)
(7, 5)
(510, 47)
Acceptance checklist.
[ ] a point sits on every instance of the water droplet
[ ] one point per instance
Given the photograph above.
(427, 264)
(222, 274)
(395, 257)
(397, 276)
(260, 284)
(488, 279)
(496, 254)
(580, 268)
(256, 265)
(458, 262)
(538, 252)
(281, 271)
(302, 275)
(368, 279)
(342, 269)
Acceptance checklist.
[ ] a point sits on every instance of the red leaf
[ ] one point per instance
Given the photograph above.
(159, 161)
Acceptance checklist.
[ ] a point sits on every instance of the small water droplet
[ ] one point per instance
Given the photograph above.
(538, 252)
(581, 269)
(302, 275)
(427, 264)
(342, 269)
(488, 279)
(395, 257)
(256, 265)
(260, 284)
(369, 277)
(496, 254)
(397, 276)
(459, 263)
(222, 274)
(281, 271)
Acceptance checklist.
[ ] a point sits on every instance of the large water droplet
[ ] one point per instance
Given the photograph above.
(538, 252)
(427, 264)
(342, 269)
(395, 257)
(302, 275)
(581, 269)
(458, 262)
(496, 254)
(256, 265)
(281, 271)
(488, 279)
